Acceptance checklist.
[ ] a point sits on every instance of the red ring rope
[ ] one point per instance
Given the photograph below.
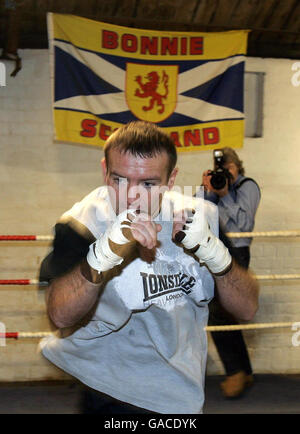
(9, 335)
(22, 282)
(288, 233)
(15, 282)
(17, 237)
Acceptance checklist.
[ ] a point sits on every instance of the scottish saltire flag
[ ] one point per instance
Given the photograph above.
(190, 84)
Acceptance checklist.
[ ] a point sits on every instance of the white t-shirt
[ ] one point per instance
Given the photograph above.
(145, 343)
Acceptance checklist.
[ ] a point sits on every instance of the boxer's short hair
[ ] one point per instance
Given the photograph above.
(142, 139)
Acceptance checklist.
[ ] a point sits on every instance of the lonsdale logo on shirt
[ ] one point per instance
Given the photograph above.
(156, 285)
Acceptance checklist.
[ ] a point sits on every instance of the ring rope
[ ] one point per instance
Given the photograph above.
(293, 233)
(26, 238)
(22, 282)
(278, 276)
(20, 335)
(41, 283)
(249, 326)
(290, 233)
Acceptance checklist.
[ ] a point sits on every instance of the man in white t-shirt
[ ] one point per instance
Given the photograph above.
(130, 277)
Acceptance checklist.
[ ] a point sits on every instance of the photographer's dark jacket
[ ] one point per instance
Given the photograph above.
(238, 208)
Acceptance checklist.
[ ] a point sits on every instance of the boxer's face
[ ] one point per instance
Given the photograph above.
(138, 182)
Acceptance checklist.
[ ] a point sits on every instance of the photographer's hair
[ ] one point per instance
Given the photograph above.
(141, 139)
(230, 156)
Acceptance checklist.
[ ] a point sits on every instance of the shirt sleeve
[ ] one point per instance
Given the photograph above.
(211, 197)
(69, 248)
(237, 214)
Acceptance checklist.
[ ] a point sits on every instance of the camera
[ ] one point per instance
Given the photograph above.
(220, 175)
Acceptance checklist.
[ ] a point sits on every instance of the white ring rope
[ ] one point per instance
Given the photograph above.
(293, 233)
(24, 282)
(288, 233)
(33, 335)
(278, 277)
(249, 326)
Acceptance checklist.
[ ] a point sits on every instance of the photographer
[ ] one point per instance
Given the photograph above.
(237, 198)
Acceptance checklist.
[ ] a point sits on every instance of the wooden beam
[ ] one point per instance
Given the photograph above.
(223, 12)
(205, 12)
(293, 22)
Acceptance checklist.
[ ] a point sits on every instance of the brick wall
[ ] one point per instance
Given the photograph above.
(40, 179)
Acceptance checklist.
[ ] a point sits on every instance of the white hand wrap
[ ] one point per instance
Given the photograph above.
(211, 251)
(100, 256)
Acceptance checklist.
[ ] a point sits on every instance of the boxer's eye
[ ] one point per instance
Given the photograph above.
(147, 184)
(118, 180)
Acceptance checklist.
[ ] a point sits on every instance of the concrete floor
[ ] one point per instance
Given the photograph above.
(270, 394)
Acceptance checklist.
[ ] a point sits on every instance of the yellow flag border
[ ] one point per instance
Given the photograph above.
(235, 140)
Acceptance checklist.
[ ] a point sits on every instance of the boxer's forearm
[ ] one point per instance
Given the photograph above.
(70, 297)
(238, 293)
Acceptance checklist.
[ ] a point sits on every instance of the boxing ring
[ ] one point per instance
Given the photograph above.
(249, 326)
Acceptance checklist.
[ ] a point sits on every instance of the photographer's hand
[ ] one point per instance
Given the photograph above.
(223, 191)
(206, 177)
(206, 181)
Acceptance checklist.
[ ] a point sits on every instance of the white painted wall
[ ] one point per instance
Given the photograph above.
(40, 179)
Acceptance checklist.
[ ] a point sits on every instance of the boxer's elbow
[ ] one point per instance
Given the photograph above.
(56, 310)
(250, 305)
(57, 317)
(250, 312)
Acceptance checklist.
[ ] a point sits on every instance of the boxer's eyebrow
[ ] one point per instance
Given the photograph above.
(151, 178)
(117, 175)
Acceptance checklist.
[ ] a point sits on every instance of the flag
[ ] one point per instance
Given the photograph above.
(189, 84)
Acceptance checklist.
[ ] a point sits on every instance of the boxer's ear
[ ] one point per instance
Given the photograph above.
(103, 167)
(172, 177)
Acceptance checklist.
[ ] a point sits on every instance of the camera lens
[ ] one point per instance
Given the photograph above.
(218, 181)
